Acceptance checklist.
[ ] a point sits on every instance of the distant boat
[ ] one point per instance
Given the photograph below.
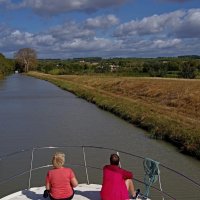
(16, 71)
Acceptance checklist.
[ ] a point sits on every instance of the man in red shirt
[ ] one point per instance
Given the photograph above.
(117, 182)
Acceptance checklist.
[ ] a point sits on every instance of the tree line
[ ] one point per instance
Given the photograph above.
(24, 60)
(6, 66)
(182, 66)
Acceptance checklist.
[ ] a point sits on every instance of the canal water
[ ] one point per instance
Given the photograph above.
(36, 113)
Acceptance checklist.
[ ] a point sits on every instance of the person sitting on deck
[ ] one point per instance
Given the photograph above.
(60, 181)
(117, 182)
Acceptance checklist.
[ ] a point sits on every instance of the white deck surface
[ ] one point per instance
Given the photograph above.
(82, 192)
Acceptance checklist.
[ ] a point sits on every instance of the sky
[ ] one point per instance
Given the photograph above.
(104, 28)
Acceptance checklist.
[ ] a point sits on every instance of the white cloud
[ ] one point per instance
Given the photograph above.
(189, 25)
(70, 30)
(102, 21)
(150, 25)
(16, 37)
(53, 7)
(64, 38)
(3, 1)
(44, 39)
(158, 35)
(179, 23)
(87, 45)
(180, 1)
(166, 43)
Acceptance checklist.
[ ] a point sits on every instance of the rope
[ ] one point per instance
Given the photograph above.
(160, 186)
(152, 172)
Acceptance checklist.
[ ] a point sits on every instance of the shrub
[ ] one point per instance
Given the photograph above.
(189, 70)
(57, 71)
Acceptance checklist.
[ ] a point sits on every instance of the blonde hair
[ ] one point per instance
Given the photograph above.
(58, 159)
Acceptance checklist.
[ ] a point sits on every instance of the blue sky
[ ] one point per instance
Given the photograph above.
(106, 28)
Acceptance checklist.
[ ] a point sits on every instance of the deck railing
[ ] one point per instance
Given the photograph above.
(87, 167)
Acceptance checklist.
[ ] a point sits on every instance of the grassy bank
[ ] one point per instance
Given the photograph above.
(167, 108)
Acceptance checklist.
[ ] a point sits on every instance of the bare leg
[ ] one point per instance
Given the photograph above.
(130, 187)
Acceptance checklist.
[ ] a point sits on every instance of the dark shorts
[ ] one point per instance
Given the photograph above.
(68, 198)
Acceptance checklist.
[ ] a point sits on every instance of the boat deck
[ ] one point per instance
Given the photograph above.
(82, 192)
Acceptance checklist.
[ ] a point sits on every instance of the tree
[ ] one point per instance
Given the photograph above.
(6, 65)
(156, 69)
(26, 59)
(189, 69)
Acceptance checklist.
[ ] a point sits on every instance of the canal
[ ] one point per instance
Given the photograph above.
(36, 113)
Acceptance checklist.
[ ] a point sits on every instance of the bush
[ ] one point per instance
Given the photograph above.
(57, 71)
(189, 70)
(157, 69)
(6, 66)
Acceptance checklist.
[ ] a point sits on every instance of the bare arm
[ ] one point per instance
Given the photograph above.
(47, 186)
(74, 182)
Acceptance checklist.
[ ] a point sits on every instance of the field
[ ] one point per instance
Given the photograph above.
(168, 109)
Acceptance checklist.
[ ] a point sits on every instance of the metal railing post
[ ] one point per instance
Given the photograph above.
(119, 161)
(85, 164)
(31, 167)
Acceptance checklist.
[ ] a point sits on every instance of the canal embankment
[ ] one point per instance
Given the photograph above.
(167, 108)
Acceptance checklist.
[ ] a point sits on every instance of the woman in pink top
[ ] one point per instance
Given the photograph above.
(117, 182)
(60, 181)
